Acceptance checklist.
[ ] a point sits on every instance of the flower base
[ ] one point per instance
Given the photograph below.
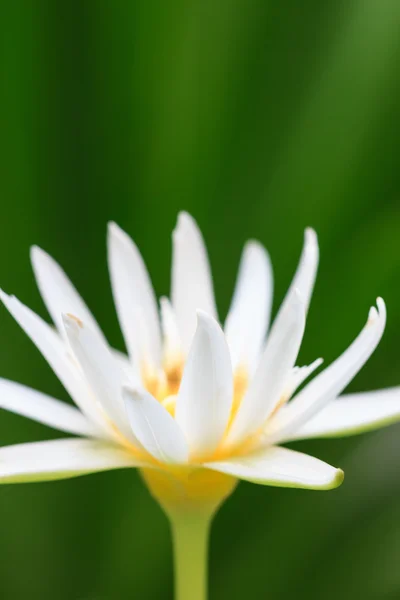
(190, 497)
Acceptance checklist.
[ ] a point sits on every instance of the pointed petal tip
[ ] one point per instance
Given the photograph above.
(36, 251)
(378, 312)
(310, 235)
(381, 305)
(206, 320)
(165, 302)
(256, 247)
(207, 323)
(184, 217)
(202, 314)
(254, 244)
(72, 322)
(184, 223)
(311, 245)
(117, 235)
(166, 310)
(337, 480)
(133, 392)
(115, 232)
(40, 259)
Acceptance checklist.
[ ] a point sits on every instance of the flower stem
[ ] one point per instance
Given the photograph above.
(190, 497)
(190, 539)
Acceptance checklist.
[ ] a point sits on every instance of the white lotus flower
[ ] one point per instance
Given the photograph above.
(194, 406)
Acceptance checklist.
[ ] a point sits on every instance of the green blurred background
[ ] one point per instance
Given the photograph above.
(260, 117)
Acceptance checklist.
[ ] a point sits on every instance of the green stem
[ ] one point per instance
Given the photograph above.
(190, 539)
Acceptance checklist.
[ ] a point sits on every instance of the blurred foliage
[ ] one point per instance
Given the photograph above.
(260, 117)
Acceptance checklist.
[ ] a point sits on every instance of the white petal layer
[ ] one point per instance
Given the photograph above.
(269, 381)
(29, 403)
(60, 459)
(134, 299)
(155, 428)
(205, 396)
(125, 365)
(299, 375)
(172, 340)
(101, 369)
(192, 286)
(304, 278)
(58, 293)
(283, 468)
(332, 381)
(56, 353)
(351, 414)
(248, 318)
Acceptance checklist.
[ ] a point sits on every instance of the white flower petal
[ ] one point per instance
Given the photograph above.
(304, 278)
(205, 396)
(332, 381)
(101, 369)
(283, 468)
(192, 286)
(155, 428)
(134, 299)
(58, 293)
(351, 414)
(125, 365)
(55, 351)
(248, 319)
(60, 459)
(269, 381)
(300, 374)
(172, 341)
(29, 403)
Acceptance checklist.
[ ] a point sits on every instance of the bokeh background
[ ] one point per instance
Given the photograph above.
(260, 117)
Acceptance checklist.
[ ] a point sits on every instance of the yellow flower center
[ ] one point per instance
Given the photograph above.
(189, 487)
(165, 386)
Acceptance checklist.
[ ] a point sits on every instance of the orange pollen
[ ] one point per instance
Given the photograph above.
(174, 378)
(165, 383)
